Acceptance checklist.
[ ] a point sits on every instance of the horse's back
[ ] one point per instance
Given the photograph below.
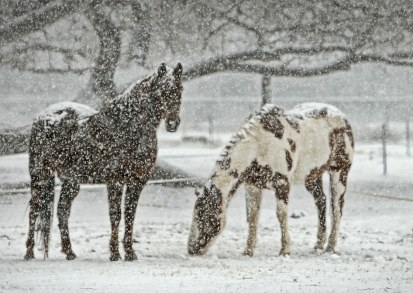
(51, 130)
(317, 123)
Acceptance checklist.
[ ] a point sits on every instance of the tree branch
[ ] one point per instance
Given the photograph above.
(234, 61)
(340, 65)
(50, 48)
(37, 19)
(385, 60)
(213, 33)
(237, 62)
(78, 71)
(402, 55)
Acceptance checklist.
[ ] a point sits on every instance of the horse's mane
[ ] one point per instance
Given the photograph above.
(251, 122)
(138, 87)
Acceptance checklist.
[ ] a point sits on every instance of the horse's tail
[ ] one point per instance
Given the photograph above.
(349, 133)
(46, 213)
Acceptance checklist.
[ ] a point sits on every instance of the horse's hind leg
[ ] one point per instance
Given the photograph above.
(338, 182)
(253, 195)
(115, 200)
(46, 213)
(282, 190)
(33, 214)
(316, 189)
(67, 195)
(133, 192)
(38, 187)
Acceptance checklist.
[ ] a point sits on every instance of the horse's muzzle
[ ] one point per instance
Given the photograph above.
(194, 249)
(172, 124)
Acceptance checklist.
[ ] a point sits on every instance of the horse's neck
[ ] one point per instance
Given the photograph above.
(128, 113)
(225, 182)
(235, 158)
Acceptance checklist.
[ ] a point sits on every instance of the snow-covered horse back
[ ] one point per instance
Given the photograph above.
(273, 150)
(116, 146)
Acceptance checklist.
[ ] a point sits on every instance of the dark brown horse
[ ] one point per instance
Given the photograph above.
(116, 146)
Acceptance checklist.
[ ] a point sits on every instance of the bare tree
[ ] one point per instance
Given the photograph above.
(27, 36)
(305, 38)
(271, 38)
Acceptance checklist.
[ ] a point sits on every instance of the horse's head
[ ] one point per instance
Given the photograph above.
(166, 85)
(208, 220)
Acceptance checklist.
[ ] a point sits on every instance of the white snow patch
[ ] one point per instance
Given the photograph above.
(307, 108)
(375, 245)
(50, 113)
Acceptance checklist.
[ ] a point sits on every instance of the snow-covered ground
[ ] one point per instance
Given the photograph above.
(375, 248)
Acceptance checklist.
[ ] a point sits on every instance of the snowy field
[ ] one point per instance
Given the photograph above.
(375, 247)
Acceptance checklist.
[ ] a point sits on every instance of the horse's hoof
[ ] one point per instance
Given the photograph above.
(115, 257)
(248, 252)
(319, 245)
(29, 255)
(284, 253)
(131, 256)
(318, 249)
(70, 256)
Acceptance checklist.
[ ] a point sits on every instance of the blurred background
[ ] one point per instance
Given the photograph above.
(237, 55)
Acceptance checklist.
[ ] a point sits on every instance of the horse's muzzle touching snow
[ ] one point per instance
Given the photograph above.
(197, 246)
(194, 249)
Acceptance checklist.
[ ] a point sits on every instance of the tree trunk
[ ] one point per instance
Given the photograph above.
(101, 87)
(141, 34)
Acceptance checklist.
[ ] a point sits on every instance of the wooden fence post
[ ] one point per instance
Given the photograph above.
(408, 153)
(384, 130)
(265, 89)
(210, 130)
(383, 138)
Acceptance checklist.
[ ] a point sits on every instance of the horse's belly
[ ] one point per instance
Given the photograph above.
(115, 169)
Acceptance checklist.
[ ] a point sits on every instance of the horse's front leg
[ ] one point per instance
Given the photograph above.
(34, 211)
(253, 196)
(282, 189)
(68, 193)
(133, 192)
(115, 200)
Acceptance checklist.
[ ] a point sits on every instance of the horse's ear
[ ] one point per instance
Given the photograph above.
(178, 70)
(162, 70)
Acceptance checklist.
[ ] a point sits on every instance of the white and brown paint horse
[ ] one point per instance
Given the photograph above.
(116, 146)
(273, 150)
